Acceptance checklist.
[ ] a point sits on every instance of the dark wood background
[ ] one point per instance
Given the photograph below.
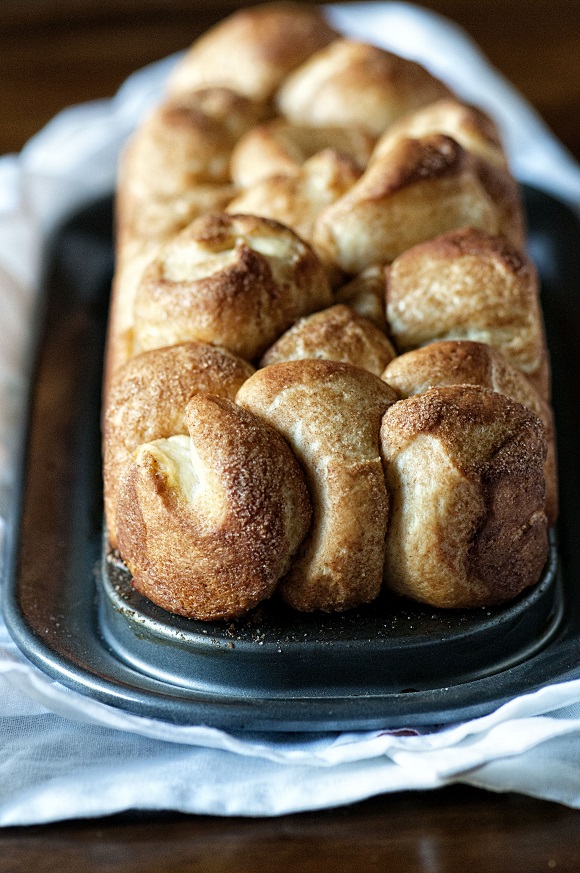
(57, 52)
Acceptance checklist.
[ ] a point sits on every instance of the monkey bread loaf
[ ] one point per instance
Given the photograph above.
(326, 377)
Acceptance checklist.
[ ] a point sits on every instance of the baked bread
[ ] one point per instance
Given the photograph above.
(473, 129)
(176, 165)
(142, 229)
(174, 168)
(469, 285)
(235, 281)
(207, 523)
(143, 226)
(353, 84)
(366, 294)
(308, 204)
(416, 190)
(187, 140)
(297, 199)
(253, 50)
(460, 362)
(280, 147)
(334, 334)
(330, 412)
(147, 399)
(464, 471)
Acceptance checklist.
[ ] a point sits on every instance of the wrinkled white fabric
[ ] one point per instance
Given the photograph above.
(65, 755)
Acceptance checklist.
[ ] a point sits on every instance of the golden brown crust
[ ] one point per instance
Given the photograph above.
(421, 188)
(432, 157)
(296, 200)
(148, 221)
(173, 169)
(470, 363)
(280, 147)
(236, 281)
(187, 141)
(319, 207)
(142, 227)
(208, 524)
(334, 334)
(464, 469)
(131, 260)
(468, 285)
(330, 414)
(352, 83)
(467, 125)
(147, 401)
(176, 165)
(253, 50)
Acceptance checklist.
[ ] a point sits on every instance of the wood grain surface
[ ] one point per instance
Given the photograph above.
(453, 830)
(57, 52)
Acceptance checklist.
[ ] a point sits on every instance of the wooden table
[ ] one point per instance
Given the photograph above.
(53, 54)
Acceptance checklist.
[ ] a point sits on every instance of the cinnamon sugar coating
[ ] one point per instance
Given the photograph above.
(174, 168)
(351, 83)
(189, 139)
(418, 189)
(280, 147)
(366, 294)
(334, 334)
(330, 412)
(236, 281)
(468, 285)
(147, 401)
(297, 199)
(176, 165)
(461, 362)
(473, 129)
(208, 522)
(464, 470)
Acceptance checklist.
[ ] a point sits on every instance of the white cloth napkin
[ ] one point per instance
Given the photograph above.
(63, 755)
